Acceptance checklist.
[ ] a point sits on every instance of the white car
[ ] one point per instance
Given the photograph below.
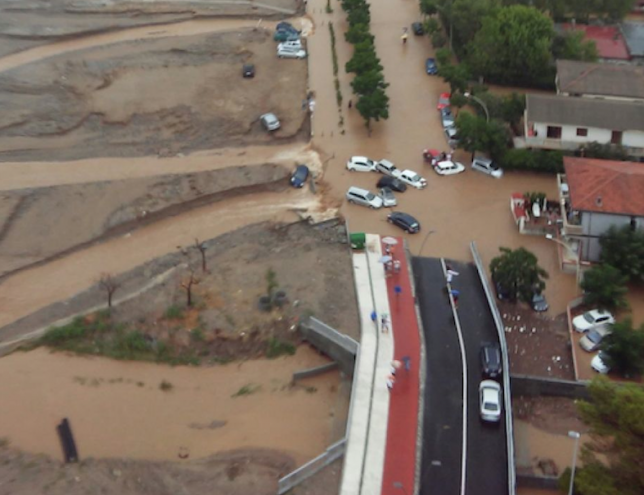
(592, 339)
(388, 197)
(291, 53)
(490, 401)
(293, 45)
(361, 164)
(447, 167)
(359, 196)
(270, 121)
(592, 319)
(413, 179)
(599, 363)
(388, 168)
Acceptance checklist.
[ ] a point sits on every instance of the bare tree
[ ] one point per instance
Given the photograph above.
(109, 283)
(201, 247)
(187, 285)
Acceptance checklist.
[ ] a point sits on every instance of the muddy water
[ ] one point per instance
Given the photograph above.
(118, 410)
(460, 209)
(27, 291)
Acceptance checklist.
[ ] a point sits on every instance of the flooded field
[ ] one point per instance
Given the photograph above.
(146, 411)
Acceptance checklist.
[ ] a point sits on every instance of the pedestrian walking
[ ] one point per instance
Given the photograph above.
(395, 366)
(407, 362)
(384, 324)
(374, 318)
(396, 266)
(449, 276)
(404, 38)
(350, 104)
(391, 381)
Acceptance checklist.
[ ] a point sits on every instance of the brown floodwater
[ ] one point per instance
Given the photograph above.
(117, 409)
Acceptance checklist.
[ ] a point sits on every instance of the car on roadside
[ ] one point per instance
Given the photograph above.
(487, 166)
(451, 134)
(448, 167)
(431, 68)
(361, 164)
(490, 401)
(443, 100)
(290, 53)
(592, 319)
(299, 176)
(413, 179)
(491, 363)
(598, 363)
(392, 183)
(248, 70)
(404, 221)
(592, 339)
(270, 121)
(447, 117)
(388, 197)
(359, 196)
(388, 168)
(286, 26)
(286, 36)
(538, 302)
(417, 28)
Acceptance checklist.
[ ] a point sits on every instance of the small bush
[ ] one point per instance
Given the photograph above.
(173, 312)
(65, 335)
(247, 389)
(166, 386)
(550, 162)
(197, 334)
(438, 40)
(329, 9)
(278, 348)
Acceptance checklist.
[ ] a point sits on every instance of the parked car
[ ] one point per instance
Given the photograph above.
(598, 363)
(443, 100)
(501, 292)
(286, 26)
(288, 53)
(491, 364)
(487, 166)
(404, 221)
(451, 136)
(490, 401)
(293, 45)
(447, 167)
(413, 179)
(387, 168)
(539, 302)
(592, 319)
(447, 118)
(286, 36)
(392, 183)
(270, 121)
(248, 70)
(388, 198)
(359, 196)
(592, 339)
(361, 164)
(417, 28)
(430, 66)
(299, 176)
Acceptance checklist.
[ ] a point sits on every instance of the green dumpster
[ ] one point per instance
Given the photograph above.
(358, 240)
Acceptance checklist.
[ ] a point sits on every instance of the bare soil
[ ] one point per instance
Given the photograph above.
(556, 415)
(538, 345)
(158, 96)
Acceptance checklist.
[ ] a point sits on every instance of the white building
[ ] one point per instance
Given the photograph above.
(597, 194)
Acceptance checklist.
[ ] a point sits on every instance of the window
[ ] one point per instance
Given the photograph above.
(582, 132)
(554, 132)
(616, 137)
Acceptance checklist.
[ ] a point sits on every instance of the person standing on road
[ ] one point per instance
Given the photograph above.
(350, 104)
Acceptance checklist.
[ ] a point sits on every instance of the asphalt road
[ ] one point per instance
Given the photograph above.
(442, 417)
(487, 471)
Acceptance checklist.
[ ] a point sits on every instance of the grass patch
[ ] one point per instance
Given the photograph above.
(278, 348)
(197, 334)
(173, 312)
(247, 389)
(166, 386)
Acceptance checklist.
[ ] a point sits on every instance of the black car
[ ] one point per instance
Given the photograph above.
(417, 28)
(392, 183)
(248, 70)
(286, 26)
(501, 292)
(299, 176)
(430, 66)
(491, 364)
(539, 302)
(404, 221)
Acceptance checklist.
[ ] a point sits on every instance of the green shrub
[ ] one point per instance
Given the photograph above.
(173, 312)
(247, 389)
(438, 40)
(62, 336)
(532, 161)
(197, 334)
(166, 386)
(278, 348)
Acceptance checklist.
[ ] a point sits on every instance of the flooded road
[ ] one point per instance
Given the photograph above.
(117, 409)
(459, 209)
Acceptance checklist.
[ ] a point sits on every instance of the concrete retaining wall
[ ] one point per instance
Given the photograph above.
(533, 385)
(334, 344)
(294, 478)
(539, 482)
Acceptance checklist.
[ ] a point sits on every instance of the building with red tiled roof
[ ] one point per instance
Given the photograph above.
(599, 194)
(608, 39)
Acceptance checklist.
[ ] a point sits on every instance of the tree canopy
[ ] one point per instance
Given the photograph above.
(518, 272)
(623, 248)
(475, 133)
(624, 348)
(604, 287)
(614, 415)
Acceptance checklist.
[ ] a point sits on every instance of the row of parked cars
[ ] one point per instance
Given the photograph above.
(290, 43)
(595, 325)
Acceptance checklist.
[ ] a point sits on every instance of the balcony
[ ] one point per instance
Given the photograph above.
(571, 220)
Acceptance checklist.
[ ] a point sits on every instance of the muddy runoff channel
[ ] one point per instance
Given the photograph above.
(147, 411)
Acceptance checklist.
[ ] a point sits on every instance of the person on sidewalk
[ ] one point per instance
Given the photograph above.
(396, 266)
(395, 366)
(407, 362)
(391, 381)
(384, 323)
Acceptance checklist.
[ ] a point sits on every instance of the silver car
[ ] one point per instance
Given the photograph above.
(388, 198)
(270, 121)
(288, 53)
(447, 118)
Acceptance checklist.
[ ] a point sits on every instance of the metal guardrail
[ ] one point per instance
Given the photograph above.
(506, 366)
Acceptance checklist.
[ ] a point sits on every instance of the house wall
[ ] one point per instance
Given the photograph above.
(569, 139)
(596, 224)
(600, 97)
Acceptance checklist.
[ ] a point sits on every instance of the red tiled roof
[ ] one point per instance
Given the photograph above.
(608, 39)
(605, 186)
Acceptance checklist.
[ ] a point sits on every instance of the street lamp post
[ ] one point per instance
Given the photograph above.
(575, 435)
(424, 241)
(570, 250)
(480, 102)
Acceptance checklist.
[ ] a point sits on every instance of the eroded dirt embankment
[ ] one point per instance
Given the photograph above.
(87, 213)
